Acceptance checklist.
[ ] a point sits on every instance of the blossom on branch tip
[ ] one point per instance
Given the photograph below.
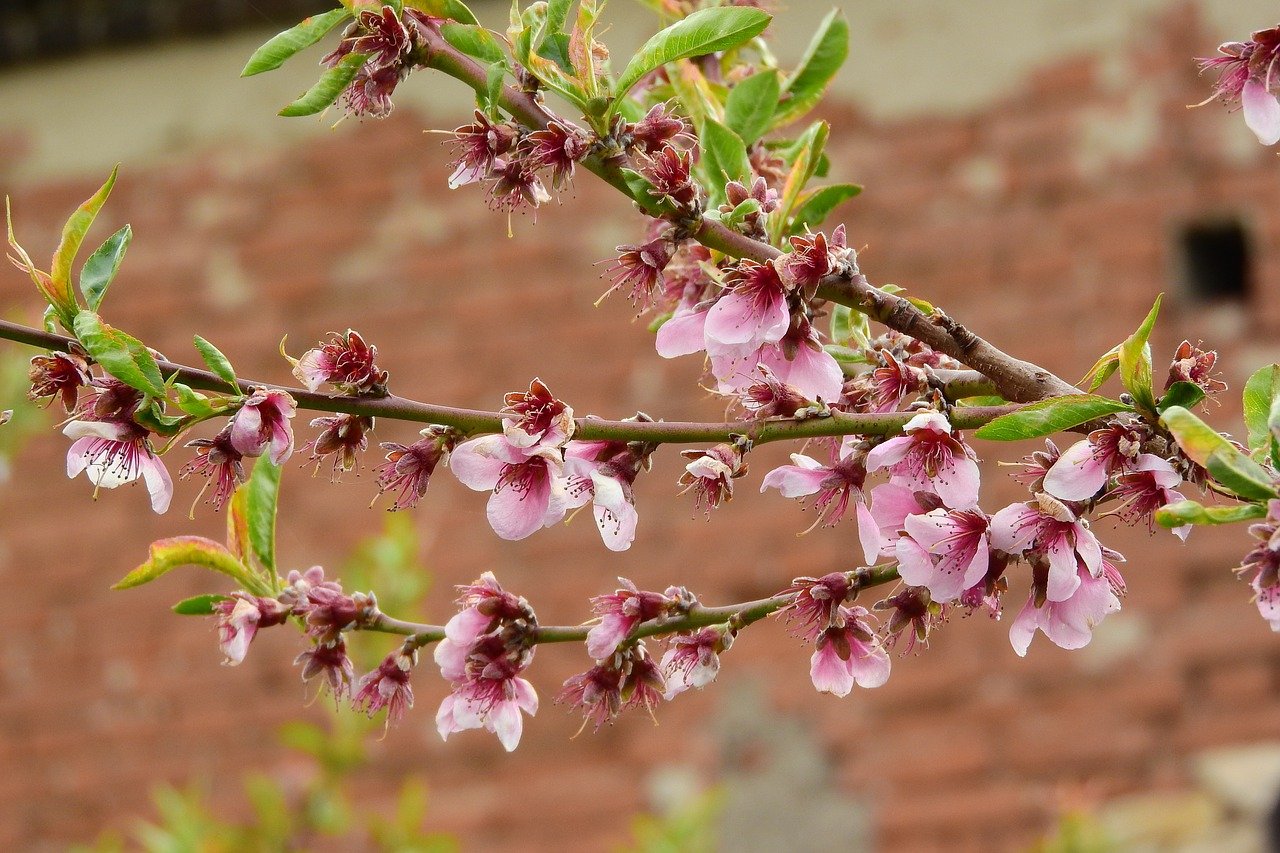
(262, 425)
(346, 362)
(409, 467)
(60, 375)
(930, 457)
(710, 474)
(529, 491)
(239, 618)
(847, 654)
(219, 463)
(1069, 623)
(388, 41)
(113, 453)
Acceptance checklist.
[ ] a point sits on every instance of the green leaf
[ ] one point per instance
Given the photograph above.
(750, 106)
(1207, 447)
(808, 150)
(1046, 417)
(814, 207)
(454, 10)
(705, 31)
(175, 552)
(725, 157)
(238, 523)
(284, 45)
(558, 14)
(217, 363)
(327, 89)
(849, 328)
(263, 494)
(1260, 394)
(100, 269)
(198, 605)
(1102, 369)
(193, 402)
(1135, 361)
(827, 51)
(846, 355)
(1185, 394)
(474, 41)
(122, 355)
(60, 293)
(1190, 512)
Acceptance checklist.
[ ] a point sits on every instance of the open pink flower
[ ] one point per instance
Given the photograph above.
(528, 489)
(693, 659)
(536, 417)
(619, 613)
(1049, 528)
(753, 310)
(929, 457)
(488, 692)
(1069, 623)
(1142, 491)
(113, 453)
(835, 484)
(602, 472)
(240, 617)
(1084, 467)
(710, 474)
(388, 686)
(1250, 76)
(848, 654)
(262, 425)
(944, 551)
(817, 603)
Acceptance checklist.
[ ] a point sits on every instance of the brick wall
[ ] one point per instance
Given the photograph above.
(1047, 219)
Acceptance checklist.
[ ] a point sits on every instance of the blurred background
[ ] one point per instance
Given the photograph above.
(1030, 165)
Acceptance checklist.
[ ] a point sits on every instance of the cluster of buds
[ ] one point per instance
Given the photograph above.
(392, 44)
(507, 159)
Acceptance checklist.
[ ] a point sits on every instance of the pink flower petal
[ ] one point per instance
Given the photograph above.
(1076, 475)
(1261, 112)
(804, 477)
(829, 673)
(683, 334)
(514, 514)
(478, 463)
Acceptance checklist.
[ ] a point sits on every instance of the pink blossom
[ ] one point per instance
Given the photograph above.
(944, 551)
(628, 679)
(219, 463)
(346, 362)
(669, 171)
(536, 418)
(659, 127)
(1262, 565)
(602, 472)
(479, 146)
(388, 686)
(693, 659)
(848, 654)
(327, 611)
(619, 613)
(1195, 365)
(710, 474)
(1084, 467)
(262, 425)
(409, 467)
(816, 602)
(1248, 76)
(328, 662)
(485, 605)
(1142, 491)
(528, 489)
(113, 453)
(835, 484)
(239, 618)
(798, 362)
(1048, 527)
(60, 375)
(559, 147)
(753, 309)
(515, 185)
(893, 381)
(929, 457)
(488, 692)
(638, 270)
(1069, 623)
(344, 437)
(808, 262)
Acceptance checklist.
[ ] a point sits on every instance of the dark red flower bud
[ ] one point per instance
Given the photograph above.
(59, 374)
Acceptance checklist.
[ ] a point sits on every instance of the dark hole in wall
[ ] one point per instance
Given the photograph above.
(1216, 261)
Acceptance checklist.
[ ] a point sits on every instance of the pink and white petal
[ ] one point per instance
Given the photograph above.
(1077, 475)
(478, 462)
(96, 429)
(957, 483)
(1024, 627)
(869, 536)
(891, 504)
(813, 372)
(603, 639)
(870, 666)
(890, 452)
(515, 515)
(246, 428)
(505, 722)
(617, 526)
(526, 697)
(554, 493)
(1161, 471)
(683, 334)
(915, 566)
(451, 657)
(1261, 112)
(1064, 579)
(1089, 549)
(78, 455)
(445, 722)
(829, 673)
(1268, 600)
(804, 477)
(1014, 528)
(159, 483)
(466, 626)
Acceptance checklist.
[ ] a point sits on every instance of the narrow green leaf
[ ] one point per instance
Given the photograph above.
(327, 89)
(198, 605)
(217, 363)
(1135, 361)
(849, 328)
(284, 45)
(1185, 394)
(175, 552)
(808, 150)
(120, 354)
(750, 106)
(73, 234)
(192, 402)
(453, 10)
(238, 523)
(814, 207)
(725, 157)
(100, 269)
(263, 494)
(558, 14)
(1046, 417)
(705, 31)
(1102, 370)
(1190, 512)
(473, 41)
(1207, 447)
(846, 355)
(1260, 393)
(827, 51)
